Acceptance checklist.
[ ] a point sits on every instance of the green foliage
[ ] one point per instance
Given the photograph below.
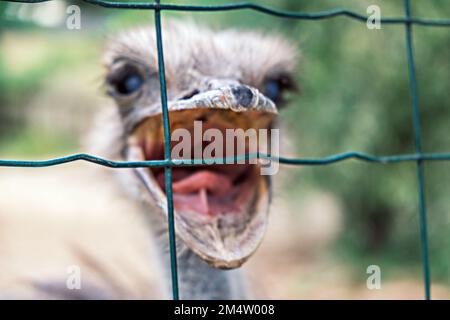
(31, 142)
(356, 97)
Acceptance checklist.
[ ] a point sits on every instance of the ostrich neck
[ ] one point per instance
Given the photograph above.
(196, 279)
(200, 281)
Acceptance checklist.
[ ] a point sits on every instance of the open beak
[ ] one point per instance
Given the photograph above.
(221, 210)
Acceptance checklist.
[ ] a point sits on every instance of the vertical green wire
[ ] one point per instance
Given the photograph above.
(168, 169)
(418, 144)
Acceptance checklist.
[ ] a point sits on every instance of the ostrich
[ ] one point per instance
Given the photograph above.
(252, 72)
(226, 79)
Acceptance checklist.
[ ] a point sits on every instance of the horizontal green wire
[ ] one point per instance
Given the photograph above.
(181, 162)
(260, 8)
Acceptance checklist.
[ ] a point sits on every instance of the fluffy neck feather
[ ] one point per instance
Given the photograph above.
(197, 280)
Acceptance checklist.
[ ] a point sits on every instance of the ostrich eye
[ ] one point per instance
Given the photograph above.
(130, 84)
(126, 81)
(273, 90)
(276, 87)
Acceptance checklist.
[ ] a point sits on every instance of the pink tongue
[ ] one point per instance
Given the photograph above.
(216, 183)
(193, 202)
(191, 190)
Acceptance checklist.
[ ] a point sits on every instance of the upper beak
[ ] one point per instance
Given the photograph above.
(237, 98)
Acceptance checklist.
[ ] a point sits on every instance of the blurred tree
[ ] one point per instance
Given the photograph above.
(356, 97)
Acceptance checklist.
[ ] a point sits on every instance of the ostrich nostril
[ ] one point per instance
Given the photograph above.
(190, 94)
(243, 95)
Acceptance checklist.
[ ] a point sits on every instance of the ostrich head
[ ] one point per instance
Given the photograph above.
(226, 79)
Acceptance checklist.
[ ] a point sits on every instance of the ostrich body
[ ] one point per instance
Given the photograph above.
(226, 79)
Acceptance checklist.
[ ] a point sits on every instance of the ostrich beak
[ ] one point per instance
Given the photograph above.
(221, 210)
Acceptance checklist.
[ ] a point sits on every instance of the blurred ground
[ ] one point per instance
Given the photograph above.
(290, 264)
(73, 215)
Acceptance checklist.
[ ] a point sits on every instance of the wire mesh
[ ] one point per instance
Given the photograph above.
(419, 157)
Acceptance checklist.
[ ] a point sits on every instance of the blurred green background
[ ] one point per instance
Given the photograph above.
(354, 97)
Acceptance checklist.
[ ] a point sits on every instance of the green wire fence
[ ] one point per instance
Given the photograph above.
(407, 20)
